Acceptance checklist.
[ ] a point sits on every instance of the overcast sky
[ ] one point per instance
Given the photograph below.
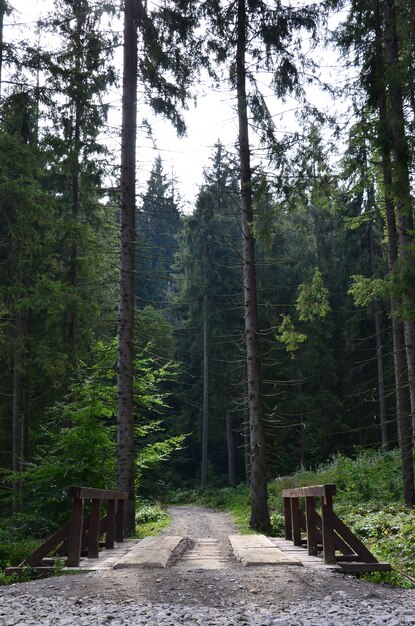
(213, 118)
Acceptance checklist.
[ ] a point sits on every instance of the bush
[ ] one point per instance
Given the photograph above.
(150, 513)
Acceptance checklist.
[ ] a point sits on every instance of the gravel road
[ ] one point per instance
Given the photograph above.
(225, 596)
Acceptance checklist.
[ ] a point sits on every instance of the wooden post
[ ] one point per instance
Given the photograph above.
(296, 523)
(75, 533)
(311, 526)
(287, 517)
(93, 531)
(329, 551)
(110, 534)
(119, 521)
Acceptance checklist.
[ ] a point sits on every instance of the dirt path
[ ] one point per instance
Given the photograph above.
(224, 588)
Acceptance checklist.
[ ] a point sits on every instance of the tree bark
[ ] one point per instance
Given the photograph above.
(381, 374)
(259, 496)
(231, 450)
(17, 411)
(379, 347)
(125, 361)
(205, 410)
(403, 416)
(247, 445)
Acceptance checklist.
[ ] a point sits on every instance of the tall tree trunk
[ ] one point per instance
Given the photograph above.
(379, 347)
(205, 410)
(403, 417)
(2, 13)
(74, 164)
(247, 444)
(381, 374)
(231, 450)
(404, 424)
(401, 181)
(259, 496)
(125, 361)
(17, 410)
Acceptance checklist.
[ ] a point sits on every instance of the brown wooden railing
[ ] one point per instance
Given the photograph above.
(325, 532)
(80, 531)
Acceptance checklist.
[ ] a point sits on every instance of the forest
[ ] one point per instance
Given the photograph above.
(269, 331)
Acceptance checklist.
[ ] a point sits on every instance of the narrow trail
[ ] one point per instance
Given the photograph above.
(225, 594)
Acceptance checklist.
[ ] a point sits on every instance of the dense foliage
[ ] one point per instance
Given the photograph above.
(331, 245)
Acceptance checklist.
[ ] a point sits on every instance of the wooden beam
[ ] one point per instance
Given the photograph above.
(287, 518)
(75, 532)
(296, 521)
(119, 521)
(315, 490)
(110, 532)
(50, 544)
(96, 494)
(311, 525)
(351, 539)
(364, 567)
(94, 531)
(327, 531)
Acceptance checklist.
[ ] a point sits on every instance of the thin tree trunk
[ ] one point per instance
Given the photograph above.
(259, 497)
(379, 348)
(17, 410)
(231, 450)
(125, 361)
(75, 158)
(381, 374)
(2, 12)
(205, 411)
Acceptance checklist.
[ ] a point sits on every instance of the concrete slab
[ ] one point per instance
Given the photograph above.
(151, 552)
(250, 541)
(253, 550)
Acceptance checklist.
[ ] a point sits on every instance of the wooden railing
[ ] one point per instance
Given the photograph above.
(80, 531)
(325, 532)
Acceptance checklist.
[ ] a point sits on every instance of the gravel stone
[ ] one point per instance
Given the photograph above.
(180, 596)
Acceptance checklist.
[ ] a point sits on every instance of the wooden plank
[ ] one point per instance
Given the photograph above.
(327, 531)
(364, 567)
(75, 532)
(96, 494)
(287, 518)
(50, 544)
(351, 539)
(46, 571)
(119, 521)
(296, 522)
(94, 532)
(311, 525)
(110, 532)
(315, 490)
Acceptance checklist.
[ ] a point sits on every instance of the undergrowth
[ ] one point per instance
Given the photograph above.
(369, 500)
(150, 519)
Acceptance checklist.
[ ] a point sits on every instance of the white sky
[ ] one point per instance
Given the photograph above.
(184, 159)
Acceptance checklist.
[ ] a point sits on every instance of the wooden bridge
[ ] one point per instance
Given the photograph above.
(312, 538)
(325, 534)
